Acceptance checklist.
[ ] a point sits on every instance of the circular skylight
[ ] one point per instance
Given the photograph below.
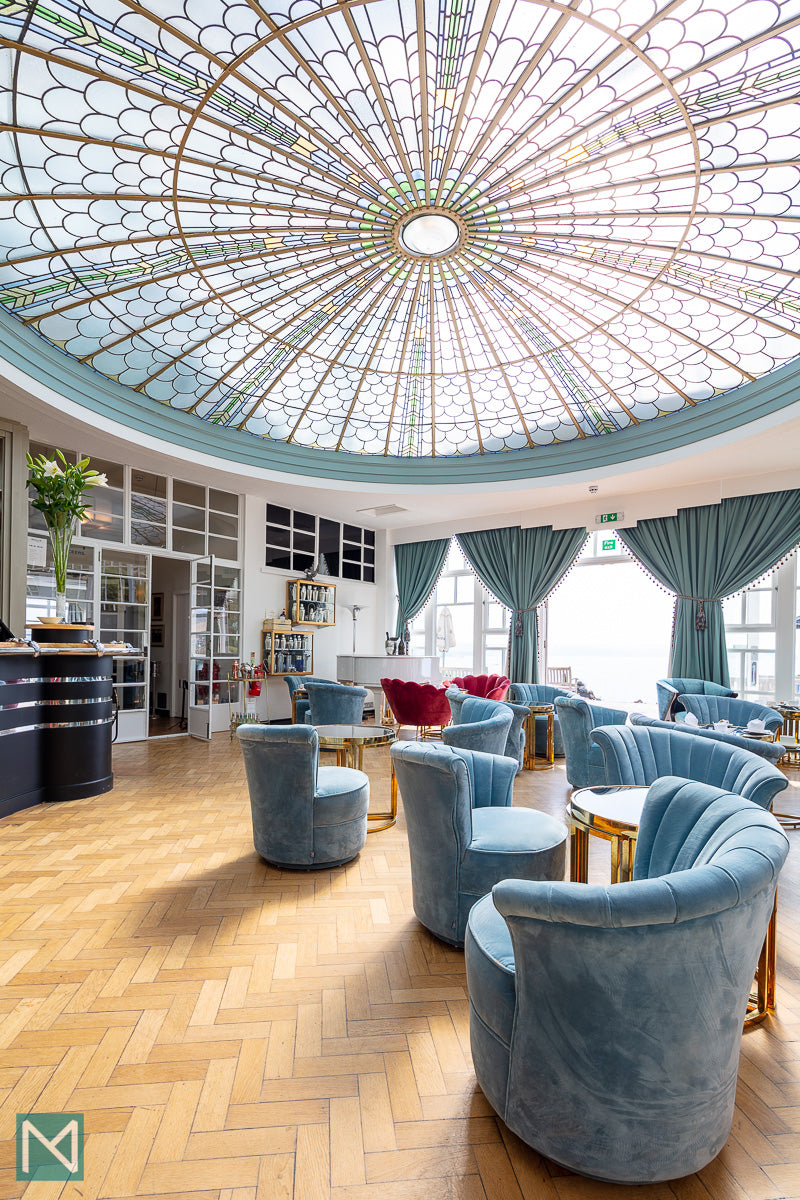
(407, 227)
(430, 234)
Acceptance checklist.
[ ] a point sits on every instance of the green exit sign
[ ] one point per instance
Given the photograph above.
(608, 518)
(610, 544)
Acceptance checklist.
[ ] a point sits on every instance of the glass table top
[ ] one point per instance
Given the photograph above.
(366, 735)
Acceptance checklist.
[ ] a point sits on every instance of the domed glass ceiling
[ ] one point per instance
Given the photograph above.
(402, 227)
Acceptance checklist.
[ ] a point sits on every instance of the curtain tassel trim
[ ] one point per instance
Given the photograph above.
(700, 620)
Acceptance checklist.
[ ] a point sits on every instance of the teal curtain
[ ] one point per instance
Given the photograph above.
(704, 554)
(520, 567)
(417, 566)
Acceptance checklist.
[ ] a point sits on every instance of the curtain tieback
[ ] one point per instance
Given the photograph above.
(700, 621)
(518, 618)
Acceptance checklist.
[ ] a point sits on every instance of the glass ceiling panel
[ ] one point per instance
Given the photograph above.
(204, 202)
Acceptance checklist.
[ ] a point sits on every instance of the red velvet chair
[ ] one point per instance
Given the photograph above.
(419, 704)
(493, 687)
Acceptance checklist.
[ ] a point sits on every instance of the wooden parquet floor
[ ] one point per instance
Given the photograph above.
(232, 1032)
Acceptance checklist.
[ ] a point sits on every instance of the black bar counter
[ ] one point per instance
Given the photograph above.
(56, 716)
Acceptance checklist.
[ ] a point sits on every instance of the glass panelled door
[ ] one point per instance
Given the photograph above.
(125, 617)
(215, 618)
(227, 638)
(202, 674)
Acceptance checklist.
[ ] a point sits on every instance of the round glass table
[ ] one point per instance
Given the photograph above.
(612, 813)
(349, 741)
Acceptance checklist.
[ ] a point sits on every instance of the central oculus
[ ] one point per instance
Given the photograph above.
(429, 234)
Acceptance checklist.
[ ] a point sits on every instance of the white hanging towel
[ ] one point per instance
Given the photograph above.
(445, 633)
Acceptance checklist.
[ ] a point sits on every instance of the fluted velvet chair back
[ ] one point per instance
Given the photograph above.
(668, 690)
(772, 751)
(541, 693)
(335, 703)
(492, 687)
(577, 718)
(478, 709)
(627, 1001)
(303, 815)
(487, 734)
(418, 704)
(709, 709)
(640, 754)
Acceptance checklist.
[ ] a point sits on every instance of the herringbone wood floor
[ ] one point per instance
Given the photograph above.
(232, 1032)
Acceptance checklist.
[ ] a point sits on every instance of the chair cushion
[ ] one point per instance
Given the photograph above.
(492, 989)
(342, 795)
(515, 843)
(510, 830)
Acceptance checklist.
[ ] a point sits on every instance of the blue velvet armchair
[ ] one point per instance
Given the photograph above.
(304, 815)
(772, 751)
(334, 703)
(541, 693)
(641, 754)
(458, 851)
(479, 707)
(479, 727)
(577, 718)
(606, 1022)
(709, 709)
(668, 690)
(297, 683)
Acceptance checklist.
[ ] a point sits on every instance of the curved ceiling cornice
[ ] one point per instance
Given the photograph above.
(492, 239)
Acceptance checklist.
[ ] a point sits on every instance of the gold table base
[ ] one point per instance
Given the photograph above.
(352, 755)
(534, 762)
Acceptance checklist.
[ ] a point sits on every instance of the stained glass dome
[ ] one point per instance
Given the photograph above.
(405, 228)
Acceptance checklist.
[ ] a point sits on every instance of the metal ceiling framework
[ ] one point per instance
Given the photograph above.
(204, 201)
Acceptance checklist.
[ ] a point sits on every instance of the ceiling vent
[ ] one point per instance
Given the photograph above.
(383, 510)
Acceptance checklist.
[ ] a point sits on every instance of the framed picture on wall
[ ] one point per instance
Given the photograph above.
(157, 610)
(156, 635)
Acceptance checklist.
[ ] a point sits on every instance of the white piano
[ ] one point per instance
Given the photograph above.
(367, 670)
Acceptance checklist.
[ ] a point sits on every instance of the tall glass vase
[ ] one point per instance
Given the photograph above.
(60, 535)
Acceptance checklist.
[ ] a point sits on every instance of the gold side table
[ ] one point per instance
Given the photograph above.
(532, 762)
(614, 813)
(349, 741)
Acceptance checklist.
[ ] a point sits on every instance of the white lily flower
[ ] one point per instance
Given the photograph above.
(52, 469)
(100, 481)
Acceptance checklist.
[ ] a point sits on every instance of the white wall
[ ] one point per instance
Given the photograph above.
(265, 596)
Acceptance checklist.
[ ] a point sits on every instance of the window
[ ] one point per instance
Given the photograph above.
(611, 624)
(296, 541)
(105, 516)
(41, 583)
(148, 509)
(750, 636)
(463, 624)
(163, 513)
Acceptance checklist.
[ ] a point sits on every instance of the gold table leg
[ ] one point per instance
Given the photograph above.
(578, 854)
(762, 1001)
(384, 820)
(622, 852)
(550, 750)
